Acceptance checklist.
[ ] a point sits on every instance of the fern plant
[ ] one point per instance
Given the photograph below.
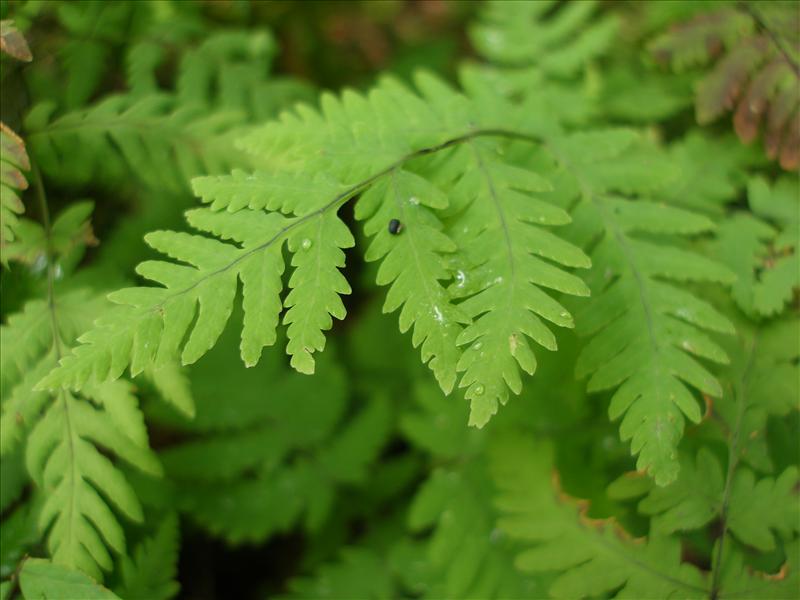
(547, 223)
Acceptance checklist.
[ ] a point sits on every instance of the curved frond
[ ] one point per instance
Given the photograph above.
(589, 556)
(79, 482)
(646, 331)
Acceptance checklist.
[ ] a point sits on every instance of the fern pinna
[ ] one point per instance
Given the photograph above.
(550, 224)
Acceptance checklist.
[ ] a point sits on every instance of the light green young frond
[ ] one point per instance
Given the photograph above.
(64, 461)
(645, 330)
(362, 142)
(558, 41)
(354, 137)
(414, 265)
(508, 256)
(150, 326)
(13, 161)
(297, 193)
(151, 571)
(153, 138)
(589, 557)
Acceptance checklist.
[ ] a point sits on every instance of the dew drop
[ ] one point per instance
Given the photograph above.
(498, 280)
(477, 346)
(437, 314)
(306, 244)
(461, 279)
(58, 272)
(414, 200)
(564, 314)
(39, 264)
(478, 390)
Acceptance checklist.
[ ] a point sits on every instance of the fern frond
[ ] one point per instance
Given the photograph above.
(508, 258)
(559, 42)
(357, 143)
(27, 353)
(414, 266)
(153, 324)
(150, 574)
(154, 138)
(645, 330)
(763, 253)
(588, 556)
(466, 556)
(63, 460)
(755, 507)
(13, 160)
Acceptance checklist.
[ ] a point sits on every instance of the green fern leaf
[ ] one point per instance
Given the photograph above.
(764, 258)
(502, 237)
(63, 460)
(466, 556)
(151, 573)
(414, 266)
(150, 137)
(754, 508)
(559, 42)
(386, 130)
(589, 556)
(644, 329)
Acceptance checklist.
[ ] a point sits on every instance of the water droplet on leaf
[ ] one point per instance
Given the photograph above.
(306, 244)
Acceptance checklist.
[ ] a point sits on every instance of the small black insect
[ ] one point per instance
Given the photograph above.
(395, 227)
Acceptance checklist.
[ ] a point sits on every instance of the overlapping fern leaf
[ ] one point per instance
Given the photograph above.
(390, 144)
(559, 41)
(64, 433)
(554, 526)
(646, 330)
